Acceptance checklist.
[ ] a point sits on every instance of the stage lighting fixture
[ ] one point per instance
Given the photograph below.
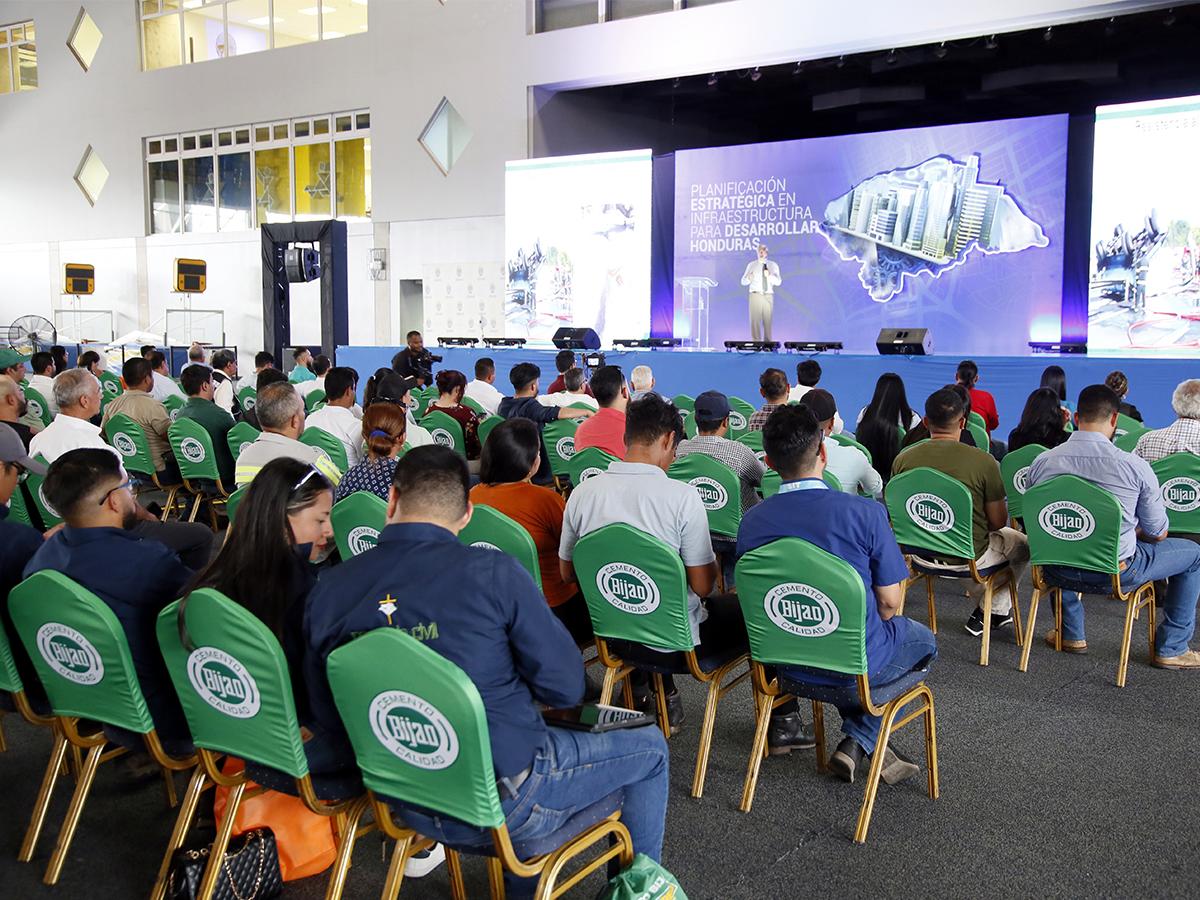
(504, 342)
(675, 84)
(457, 341)
(593, 360)
(753, 346)
(940, 50)
(1058, 346)
(1169, 18)
(756, 74)
(812, 346)
(1110, 27)
(712, 80)
(799, 68)
(991, 43)
(841, 62)
(892, 58)
(647, 343)
(1048, 34)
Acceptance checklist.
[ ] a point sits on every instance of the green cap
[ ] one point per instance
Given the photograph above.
(10, 358)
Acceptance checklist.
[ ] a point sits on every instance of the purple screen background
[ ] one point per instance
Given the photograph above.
(988, 305)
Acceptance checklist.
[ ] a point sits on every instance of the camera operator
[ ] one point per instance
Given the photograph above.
(414, 361)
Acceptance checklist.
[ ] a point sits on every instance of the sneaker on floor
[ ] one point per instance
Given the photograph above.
(1188, 659)
(787, 733)
(423, 862)
(847, 759)
(974, 624)
(1067, 645)
(896, 768)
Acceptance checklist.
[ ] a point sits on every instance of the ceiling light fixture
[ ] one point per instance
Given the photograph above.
(712, 80)
(991, 43)
(892, 58)
(756, 74)
(799, 67)
(312, 10)
(1110, 27)
(940, 50)
(841, 62)
(1169, 18)
(1048, 34)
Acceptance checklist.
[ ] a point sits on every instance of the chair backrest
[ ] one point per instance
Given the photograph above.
(247, 397)
(558, 443)
(587, 463)
(975, 418)
(1179, 477)
(38, 407)
(110, 386)
(234, 684)
(485, 427)
(931, 511)
(312, 398)
(771, 482)
(753, 440)
(1073, 523)
(234, 501)
(323, 440)
(417, 725)
(847, 441)
(424, 398)
(803, 607)
(33, 484)
(193, 448)
(1129, 440)
(1126, 424)
(445, 431)
(357, 521)
(685, 403)
(718, 487)
(979, 435)
(832, 480)
(1014, 470)
(10, 676)
(474, 406)
(173, 404)
(635, 587)
(79, 651)
(490, 529)
(240, 436)
(739, 417)
(128, 438)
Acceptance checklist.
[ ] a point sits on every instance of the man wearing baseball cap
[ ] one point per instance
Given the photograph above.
(849, 464)
(12, 364)
(712, 424)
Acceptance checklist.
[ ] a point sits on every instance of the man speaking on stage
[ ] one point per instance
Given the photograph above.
(761, 276)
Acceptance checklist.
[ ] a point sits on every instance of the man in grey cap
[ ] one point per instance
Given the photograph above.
(712, 424)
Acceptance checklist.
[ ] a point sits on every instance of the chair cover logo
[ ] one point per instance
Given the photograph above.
(930, 512)
(1181, 494)
(485, 545)
(112, 387)
(737, 421)
(801, 609)
(193, 450)
(1066, 521)
(628, 588)
(361, 539)
(249, 402)
(565, 447)
(590, 472)
(712, 494)
(124, 444)
(45, 503)
(443, 437)
(1021, 479)
(413, 730)
(223, 682)
(34, 407)
(70, 654)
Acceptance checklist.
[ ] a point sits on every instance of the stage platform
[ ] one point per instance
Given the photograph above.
(849, 377)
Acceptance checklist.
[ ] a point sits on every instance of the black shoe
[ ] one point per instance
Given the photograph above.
(1001, 620)
(847, 759)
(787, 733)
(975, 623)
(648, 704)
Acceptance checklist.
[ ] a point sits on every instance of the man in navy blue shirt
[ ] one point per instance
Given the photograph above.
(523, 404)
(854, 529)
(495, 625)
(135, 577)
(18, 543)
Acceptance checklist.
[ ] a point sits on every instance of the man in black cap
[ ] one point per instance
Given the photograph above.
(712, 424)
(848, 464)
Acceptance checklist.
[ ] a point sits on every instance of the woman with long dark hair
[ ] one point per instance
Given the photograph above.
(509, 461)
(881, 420)
(90, 360)
(384, 426)
(58, 353)
(1055, 378)
(451, 385)
(1042, 421)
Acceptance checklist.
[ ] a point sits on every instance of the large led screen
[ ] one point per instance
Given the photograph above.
(956, 228)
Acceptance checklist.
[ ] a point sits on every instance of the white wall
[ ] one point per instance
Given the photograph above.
(475, 52)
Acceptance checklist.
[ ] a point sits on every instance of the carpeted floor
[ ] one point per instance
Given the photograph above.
(1054, 783)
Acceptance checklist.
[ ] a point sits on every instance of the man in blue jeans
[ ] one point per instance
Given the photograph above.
(1145, 551)
(495, 625)
(854, 529)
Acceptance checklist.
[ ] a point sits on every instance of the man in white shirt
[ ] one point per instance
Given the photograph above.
(762, 277)
(482, 390)
(197, 356)
(225, 373)
(320, 367)
(337, 415)
(808, 375)
(575, 393)
(848, 464)
(41, 379)
(641, 382)
(164, 384)
(77, 393)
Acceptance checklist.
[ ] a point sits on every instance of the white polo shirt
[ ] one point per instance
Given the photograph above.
(852, 469)
(44, 385)
(63, 434)
(642, 496)
(343, 425)
(484, 394)
(566, 398)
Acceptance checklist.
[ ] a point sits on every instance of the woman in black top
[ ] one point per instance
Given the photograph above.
(1120, 386)
(1042, 421)
(881, 421)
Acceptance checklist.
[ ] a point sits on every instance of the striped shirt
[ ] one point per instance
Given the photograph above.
(1181, 436)
(269, 446)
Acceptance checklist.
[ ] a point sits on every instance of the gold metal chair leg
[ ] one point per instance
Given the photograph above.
(495, 878)
(217, 853)
(627, 692)
(1126, 639)
(3, 743)
(1027, 644)
(877, 755)
(931, 764)
(932, 604)
(1057, 593)
(395, 874)
(706, 733)
(818, 713)
(986, 645)
(1018, 631)
(762, 719)
(1152, 624)
(195, 509)
(169, 784)
(347, 834)
(606, 688)
(660, 696)
(458, 890)
(76, 762)
(57, 754)
(191, 799)
(67, 833)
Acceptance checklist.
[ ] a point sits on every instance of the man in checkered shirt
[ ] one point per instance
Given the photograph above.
(774, 387)
(712, 424)
(1182, 435)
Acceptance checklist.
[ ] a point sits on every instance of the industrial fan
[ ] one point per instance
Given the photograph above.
(29, 334)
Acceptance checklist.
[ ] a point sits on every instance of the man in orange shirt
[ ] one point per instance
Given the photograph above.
(606, 429)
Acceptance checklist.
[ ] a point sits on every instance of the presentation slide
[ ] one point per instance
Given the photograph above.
(956, 228)
(1144, 294)
(577, 245)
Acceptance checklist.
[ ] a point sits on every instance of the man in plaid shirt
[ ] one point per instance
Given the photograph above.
(774, 387)
(1182, 435)
(712, 424)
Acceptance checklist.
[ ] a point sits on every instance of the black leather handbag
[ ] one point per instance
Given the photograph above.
(249, 872)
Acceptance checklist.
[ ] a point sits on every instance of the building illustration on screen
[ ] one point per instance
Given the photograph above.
(924, 220)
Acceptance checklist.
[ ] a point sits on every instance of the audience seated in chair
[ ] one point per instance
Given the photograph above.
(41, 378)
(921, 431)
(321, 365)
(302, 369)
(572, 392)
(164, 385)
(564, 361)
(269, 375)
(198, 386)
(854, 529)
(641, 382)
(451, 385)
(1120, 386)
(385, 386)
(1182, 435)
(523, 404)
(883, 422)
(712, 424)
(13, 410)
(978, 471)
(773, 386)
(13, 371)
(1042, 422)
(337, 416)
(808, 376)
(281, 414)
(501, 633)
(383, 429)
(849, 465)
(1145, 550)
(263, 360)
(606, 429)
(225, 373)
(137, 403)
(482, 389)
(982, 402)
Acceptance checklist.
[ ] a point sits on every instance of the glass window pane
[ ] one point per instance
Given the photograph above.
(272, 182)
(155, 147)
(353, 178)
(249, 27)
(342, 18)
(189, 142)
(281, 132)
(206, 140)
(362, 120)
(343, 123)
(160, 38)
(199, 200)
(5, 71)
(567, 13)
(312, 181)
(296, 21)
(203, 34)
(149, 7)
(171, 145)
(242, 136)
(321, 126)
(300, 129)
(262, 133)
(164, 197)
(25, 57)
(237, 190)
(29, 32)
(628, 9)
(225, 138)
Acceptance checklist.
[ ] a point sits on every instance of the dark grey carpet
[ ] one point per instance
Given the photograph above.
(1054, 783)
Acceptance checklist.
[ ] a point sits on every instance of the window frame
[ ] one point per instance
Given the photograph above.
(14, 67)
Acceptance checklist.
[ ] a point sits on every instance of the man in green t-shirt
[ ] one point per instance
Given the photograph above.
(995, 543)
(197, 383)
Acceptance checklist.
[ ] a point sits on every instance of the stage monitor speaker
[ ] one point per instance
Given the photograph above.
(576, 339)
(302, 263)
(79, 278)
(904, 342)
(191, 276)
